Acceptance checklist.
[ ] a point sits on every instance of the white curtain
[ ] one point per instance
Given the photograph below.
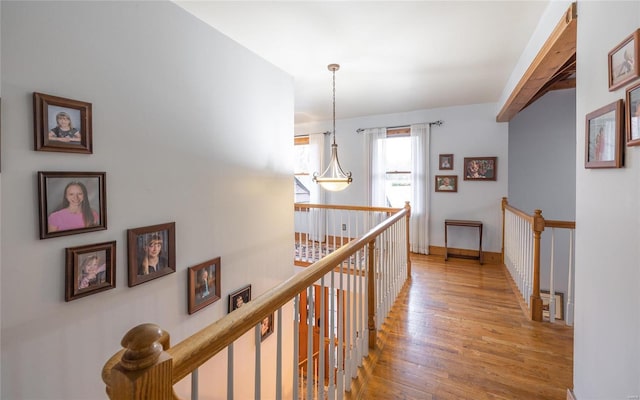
(316, 216)
(376, 140)
(419, 222)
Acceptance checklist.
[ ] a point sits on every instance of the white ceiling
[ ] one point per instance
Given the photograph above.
(395, 56)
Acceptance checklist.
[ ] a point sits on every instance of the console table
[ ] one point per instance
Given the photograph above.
(470, 224)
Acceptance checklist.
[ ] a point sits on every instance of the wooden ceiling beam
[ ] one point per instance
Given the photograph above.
(551, 59)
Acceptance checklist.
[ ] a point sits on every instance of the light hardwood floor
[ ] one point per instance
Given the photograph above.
(457, 332)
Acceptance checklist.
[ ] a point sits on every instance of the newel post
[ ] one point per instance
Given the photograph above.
(504, 206)
(536, 300)
(145, 370)
(408, 218)
(371, 290)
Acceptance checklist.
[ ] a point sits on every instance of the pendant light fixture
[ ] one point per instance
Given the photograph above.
(333, 178)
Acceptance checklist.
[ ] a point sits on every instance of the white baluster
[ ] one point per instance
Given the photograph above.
(552, 293)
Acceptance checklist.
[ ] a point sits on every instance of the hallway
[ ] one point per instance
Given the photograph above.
(458, 332)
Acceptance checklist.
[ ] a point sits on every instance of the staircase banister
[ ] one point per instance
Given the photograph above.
(559, 224)
(345, 207)
(203, 345)
(520, 213)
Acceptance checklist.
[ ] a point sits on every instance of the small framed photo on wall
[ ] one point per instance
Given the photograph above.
(151, 252)
(603, 137)
(266, 327)
(240, 297)
(632, 115)
(446, 183)
(445, 161)
(90, 269)
(623, 61)
(62, 125)
(204, 284)
(71, 202)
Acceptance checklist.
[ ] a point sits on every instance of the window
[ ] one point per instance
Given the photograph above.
(302, 174)
(397, 159)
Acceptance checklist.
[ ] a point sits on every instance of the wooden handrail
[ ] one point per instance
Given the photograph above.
(549, 223)
(388, 210)
(195, 350)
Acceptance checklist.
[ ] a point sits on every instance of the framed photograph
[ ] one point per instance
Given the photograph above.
(559, 306)
(71, 202)
(632, 115)
(151, 252)
(446, 183)
(62, 125)
(204, 284)
(445, 161)
(90, 269)
(623, 62)
(603, 137)
(266, 328)
(239, 297)
(480, 168)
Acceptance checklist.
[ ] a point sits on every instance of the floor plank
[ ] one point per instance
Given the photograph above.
(457, 332)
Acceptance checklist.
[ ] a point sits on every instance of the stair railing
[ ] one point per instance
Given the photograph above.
(521, 244)
(371, 271)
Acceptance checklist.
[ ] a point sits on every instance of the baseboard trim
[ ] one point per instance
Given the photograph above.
(489, 257)
(570, 395)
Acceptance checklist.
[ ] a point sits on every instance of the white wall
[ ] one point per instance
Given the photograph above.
(189, 127)
(607, 325)
(468, 131)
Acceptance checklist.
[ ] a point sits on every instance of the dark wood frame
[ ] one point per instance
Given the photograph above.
(471, 176)
(545, 295)
(41, 128)
(245, 293)
(193, 286)
(452, 178)
(136, 236)
(270, 329)
(632, 114)
(73, 265)
(46, 202)
(594, 121)
(630, 43)
(441, 159)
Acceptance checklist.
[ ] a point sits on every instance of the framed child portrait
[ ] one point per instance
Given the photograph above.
(446, 183)
(151, 252)
(266, 327)
(71, 202)
(445, 161)
(603, 137)
(240, 297)
(62, 125)
(90, 269)
(204, 284)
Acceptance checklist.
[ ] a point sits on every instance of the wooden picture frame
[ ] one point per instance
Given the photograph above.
(632, 115)
(151, 252)
(480, 168)
(239, 297)
(266, 327)
(90, 269)
(204, 284)
(71, 202)
(559, 306)
(62, 125)
(623, 61)
(603, 137)
(446, 183)
(445, 161)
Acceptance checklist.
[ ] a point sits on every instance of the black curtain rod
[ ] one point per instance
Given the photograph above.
(437, 123)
